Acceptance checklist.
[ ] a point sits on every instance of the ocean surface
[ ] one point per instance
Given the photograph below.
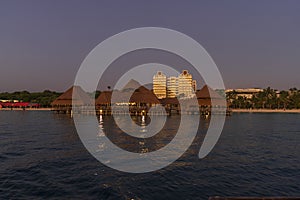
(42, 157)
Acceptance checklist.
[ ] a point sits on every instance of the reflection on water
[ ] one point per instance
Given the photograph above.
(139, 144)
(140, 120)
(143, 125)
(42, 157)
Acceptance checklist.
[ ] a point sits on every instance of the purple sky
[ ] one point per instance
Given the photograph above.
(254, 43)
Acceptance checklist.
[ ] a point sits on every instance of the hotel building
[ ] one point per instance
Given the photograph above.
(160, 85)
(182, 86)
(172, 87)
(185, 84)
(247, 93)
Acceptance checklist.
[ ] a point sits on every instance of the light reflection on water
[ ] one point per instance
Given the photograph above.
(41, 156)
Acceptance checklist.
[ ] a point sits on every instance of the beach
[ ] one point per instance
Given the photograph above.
(266, 110)
(233, 110)
(31, 109)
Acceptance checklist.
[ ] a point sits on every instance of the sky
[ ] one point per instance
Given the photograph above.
(43, 43)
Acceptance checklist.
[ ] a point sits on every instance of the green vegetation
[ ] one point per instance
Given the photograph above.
(43, 98)
(267, 99)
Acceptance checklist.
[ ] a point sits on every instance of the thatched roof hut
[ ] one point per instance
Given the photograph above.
(104, 98)
(140, 95)
(80, 97)
(132, 91)
(144, 95)
(206, 95)
(132, 84)
(169, 101)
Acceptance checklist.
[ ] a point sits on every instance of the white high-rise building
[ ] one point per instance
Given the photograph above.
(172, 87)
(185, 84)
(160, 85)
(182, 86)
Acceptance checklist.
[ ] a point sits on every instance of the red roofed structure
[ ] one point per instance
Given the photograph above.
(18, 105)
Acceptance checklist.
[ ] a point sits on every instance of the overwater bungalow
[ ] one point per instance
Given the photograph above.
(171, 105)
(63, 104)
(103, 103)
(138, 100)
(207, 98)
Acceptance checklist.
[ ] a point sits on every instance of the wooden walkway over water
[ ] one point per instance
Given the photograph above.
(139, 111)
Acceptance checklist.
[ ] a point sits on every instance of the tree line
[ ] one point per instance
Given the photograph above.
(43, 98)
(267, 99)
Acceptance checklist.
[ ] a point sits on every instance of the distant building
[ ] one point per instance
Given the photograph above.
(194, 85)
(245, 93)
(182, 86)
(172, 87)
(7, 101)
(160, 85)
(185, 84)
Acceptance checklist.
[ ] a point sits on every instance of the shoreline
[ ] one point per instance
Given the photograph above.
(26, 109)
(265, 111)
(232, 110)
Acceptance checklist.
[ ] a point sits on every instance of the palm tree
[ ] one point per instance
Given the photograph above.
(283, 99)
(294, 97)
(268, 98)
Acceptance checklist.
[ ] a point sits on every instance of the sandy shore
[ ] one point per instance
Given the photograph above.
(266, 111)
(31, 109)
(233, 110)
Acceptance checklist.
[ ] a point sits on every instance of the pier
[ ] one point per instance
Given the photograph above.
(139, 102)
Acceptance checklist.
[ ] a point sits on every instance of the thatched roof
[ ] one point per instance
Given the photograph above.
(204, 102)
(132, 84)
(173, 101)
(207, 93)
(104, 98)
(81, 97)
(144, 95)
(204, 97)
(140, 95)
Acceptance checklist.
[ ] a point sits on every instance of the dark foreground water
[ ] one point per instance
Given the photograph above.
(42, 157)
